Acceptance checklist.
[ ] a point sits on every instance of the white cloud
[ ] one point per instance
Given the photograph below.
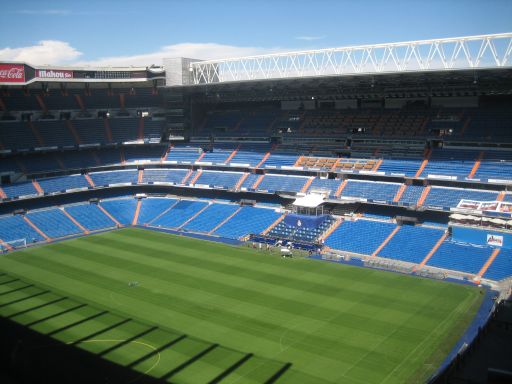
(204, 51)
(44, 52)
(54, 52)
(310, 38)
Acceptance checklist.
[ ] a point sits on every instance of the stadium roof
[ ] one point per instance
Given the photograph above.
(460, 53)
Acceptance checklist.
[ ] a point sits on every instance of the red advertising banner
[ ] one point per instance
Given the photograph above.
(54, 74)
(12, 73)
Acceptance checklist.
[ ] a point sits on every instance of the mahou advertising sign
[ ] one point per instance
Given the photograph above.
(54, 74)
(12, 73)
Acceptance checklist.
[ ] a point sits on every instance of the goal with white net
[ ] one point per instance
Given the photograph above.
(13, 244)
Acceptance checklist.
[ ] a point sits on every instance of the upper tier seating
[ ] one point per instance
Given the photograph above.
(164, 175)
(249, 181)
(219, 179)
(412, 194)
(407, 167)
(55, 133)
(212, 216)
(53, 222)
(19, 189)
(325, 185)
(90, 216)
(184, 154)
(250, 154)
(450, 197)
(495, 165)
(17, 135)
(361, 236)
(280, 159)
(60, 183)
(143, 153)
(249, 220)
(114, 177)
(219, 154)
(370, 190)
(282, 183)
(450, 163)
(91, 130)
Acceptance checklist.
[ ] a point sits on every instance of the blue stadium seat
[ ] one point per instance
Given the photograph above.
(90, 216)
(459, 256)
(13, 227)
(411, 243)
(371, 190)
(247, 221)
(53, 222)
(211, 217)
(62, 183)
(114, 177)
(164, 175)
(179, 214)
(325, 185)
(19, 189)
(122, 210)
(282, 183)
(501, 267)
(361, 236)
(152, 207)
(219, 179)
(450, 197)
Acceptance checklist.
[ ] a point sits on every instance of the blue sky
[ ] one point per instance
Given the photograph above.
(112, 32)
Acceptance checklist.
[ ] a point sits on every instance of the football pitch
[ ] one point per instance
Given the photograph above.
(193, 311)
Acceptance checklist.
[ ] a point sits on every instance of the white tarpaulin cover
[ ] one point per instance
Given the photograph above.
(309, 201)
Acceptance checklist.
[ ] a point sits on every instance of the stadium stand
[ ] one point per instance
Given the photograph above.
(459, 256)
(450, 197)
(153, 207)
(360, 236)
(90, 216)
(401, 248)
(219, 179)
(13, 227)
(62, 183)
(301, 227)
(164, 175)
(282, 183)
(249, 220)
(114, 177)
(212, 216)
(53, 222)
(122, 210)
(370, 190)
(179, 214)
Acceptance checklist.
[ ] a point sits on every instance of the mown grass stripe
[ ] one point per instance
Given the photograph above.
(37, 307)
(84, 320)
(43, 319)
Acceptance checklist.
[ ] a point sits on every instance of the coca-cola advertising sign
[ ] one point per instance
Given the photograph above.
(54, 74)
(12, 73)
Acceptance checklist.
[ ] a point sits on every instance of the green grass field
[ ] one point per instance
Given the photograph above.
(207, 312)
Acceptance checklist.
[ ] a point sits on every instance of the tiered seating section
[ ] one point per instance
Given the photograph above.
(437, 197)
(418, 245)
(15, 135)
(297, 230)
